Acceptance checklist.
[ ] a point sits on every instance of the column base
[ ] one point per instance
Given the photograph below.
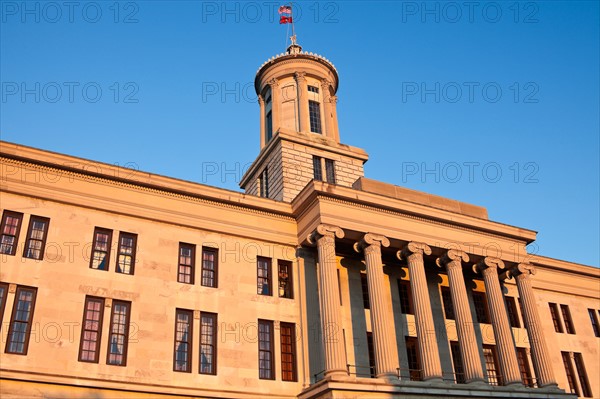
(434, 380)
(336, 374)
(477, 383)
(551, 387)
(388, 377)
(514, 384)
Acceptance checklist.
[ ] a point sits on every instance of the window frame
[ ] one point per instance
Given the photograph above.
(29, 238)
(584, 382)
(214, 270)
(212, 344)
(101, 230)
(481, 307)
(192, 264)
(570, 372)
(102, 301)
(133, 253)
(511, 310)
(446, 295)
(457, 364)
(125, 334)
(554, 314)
(594, 321)
(268, 278)
(189, 341)
(567, 320)
(3, 300)
(29, 321)
(330, 175)
(364, 285)
(5, 215)
(268, 124)
(524, 367)
(406, 307)
(317, 168)
(314, 116)
(288, 349)
(289, 293)
(413, 359)
(493, 374)
(371, 354)
(270, 350)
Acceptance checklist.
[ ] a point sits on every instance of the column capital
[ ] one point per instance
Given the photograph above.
(300, 76)
(371, 239)
(524, 269)
(325, 84)
(325, 230)
(260, 99)
(411, 248)
(451, 256)
(273, 82)
(488, 262)
(333, 99)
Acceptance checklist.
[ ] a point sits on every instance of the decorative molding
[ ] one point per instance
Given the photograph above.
(370, 239)
(451, 256)
(12, 288)
(108, 302)
(488, 262)
(413, 247)
(325, 230)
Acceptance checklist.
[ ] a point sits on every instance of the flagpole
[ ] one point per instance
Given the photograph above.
(292, 15)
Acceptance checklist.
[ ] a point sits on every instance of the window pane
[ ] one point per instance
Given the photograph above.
(365, 291)
(263, 276)
(491, 364)
(314, 110)
(185, 271)
(208, 341)
(118, 336)
(101, 249)
(285, 279)
(10, 228)
(317, 171)
(20, 324)
(330, 171)
(265, 350)
(183, 340)
(288, 352)
(91, 330)
(126, 253)
(209, 267)
(448, 306)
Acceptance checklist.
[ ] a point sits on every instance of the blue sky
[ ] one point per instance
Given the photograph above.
(492, 103)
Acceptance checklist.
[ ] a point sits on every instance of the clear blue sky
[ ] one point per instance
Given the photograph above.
(496, 105)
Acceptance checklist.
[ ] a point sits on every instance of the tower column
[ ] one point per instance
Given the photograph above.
(428, 347)
(335, 356)
(452, 260)
(303, 113)
(327, 125)
(386, 353)
(507, 356)
(261, 103)
(275, 115)
(539, 351)
(335, 127)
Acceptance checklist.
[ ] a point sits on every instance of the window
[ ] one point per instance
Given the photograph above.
(286, 287)
(491, 364)
(364, 284)
(583, 379)
(593, 319)
(405, 297)
(313, 89)
(20, 322)
(448, 306)
(263, 183)
(208, 343)
(210, 262)
(459, 373)
(187, 262)
(339, 280)
(101, 249)
(184, 322)
(263, 266)
(266, 359)
(314, 111)
(371, 353)
(412, 355)
(317, 168)
(91, 330)
(524, 367)
(288, 352)
(566, 314)
(126, 253)
(119, 333)
(566, 358)
(36, 237)
(330, 171)
(3, 294)
(269, 124)
(10, 228)
(555, 318)
(511, 309)
(481, 307)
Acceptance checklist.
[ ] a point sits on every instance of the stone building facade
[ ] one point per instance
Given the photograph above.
(317, 282)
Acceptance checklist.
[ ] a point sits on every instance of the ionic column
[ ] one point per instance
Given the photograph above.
(386, 355)
(428, 348)
(335, 357)
(303, 114)
(275, 104)
(539, 351)
(327, 129)
(335, 134)
(464, 319)
(507, 356)
(261, 103)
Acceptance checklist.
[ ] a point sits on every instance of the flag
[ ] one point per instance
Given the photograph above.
(285, 9)
(285, 20)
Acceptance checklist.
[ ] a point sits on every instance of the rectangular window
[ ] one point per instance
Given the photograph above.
(524, 367)
(266, 358)
(583, 378)
(371, 353)
(511, 309)
(263, 267)
(448, 306)
(491, 364)
(566, 358)
(566, 314)
(187, 263)
(126, 253)
(3, 294)
(330, 171)
(555, 318)
(184, 322)
(91, 330)
(10, 228)
(288, 352)
(101, 249)
(264, 183)
(481, 309)
(269, 125)
(317, 169)
(459, 373)
(119, 333)
(210, 263)
(36, 237)
(286, 287)
(339, 285)
(20, 322)
(594, 320)
(405, 297)
(313, 89)
(364, 284)
(314, 111)
(412, 355)
(208, 343)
